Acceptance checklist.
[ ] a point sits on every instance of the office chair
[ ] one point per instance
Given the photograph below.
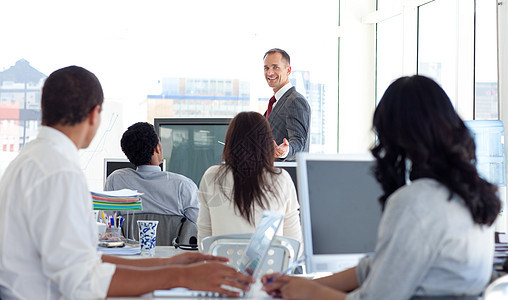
(183, 240)
(171, 228)
(282, 253)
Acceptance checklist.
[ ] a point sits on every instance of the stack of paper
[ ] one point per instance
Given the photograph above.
(117, 200)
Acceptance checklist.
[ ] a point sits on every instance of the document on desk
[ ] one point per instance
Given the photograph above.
(126, 250)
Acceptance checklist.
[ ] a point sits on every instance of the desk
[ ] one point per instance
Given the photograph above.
(168, 251)
(160, 251)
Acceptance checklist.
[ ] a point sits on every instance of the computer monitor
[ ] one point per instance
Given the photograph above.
(339, 208)
(192, 145)
(113, 164)
(290, 167)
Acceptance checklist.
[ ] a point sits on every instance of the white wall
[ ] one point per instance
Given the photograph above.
(356, 77)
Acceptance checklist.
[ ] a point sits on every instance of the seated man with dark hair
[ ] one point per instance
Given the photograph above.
(163, 192)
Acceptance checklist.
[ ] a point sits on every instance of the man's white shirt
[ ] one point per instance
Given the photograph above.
(48, 238)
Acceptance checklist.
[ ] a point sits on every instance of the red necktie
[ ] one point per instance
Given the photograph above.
(270, 105)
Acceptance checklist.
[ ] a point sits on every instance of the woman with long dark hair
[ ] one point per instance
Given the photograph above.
(435, 236)
(232, 196)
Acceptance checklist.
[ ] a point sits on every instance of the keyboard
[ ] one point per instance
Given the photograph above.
(186, 293)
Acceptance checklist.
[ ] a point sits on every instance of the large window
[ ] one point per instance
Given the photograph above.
(204, 58)
(389, 53)
(486, 75)
(453, 42)
(438, 44)
(164, 59)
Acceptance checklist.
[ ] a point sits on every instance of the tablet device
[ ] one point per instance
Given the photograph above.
(250, 262)
(259, 244)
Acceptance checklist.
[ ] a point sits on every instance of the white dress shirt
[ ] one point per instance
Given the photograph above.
(281, 92)
(48, 238)
(217, 213)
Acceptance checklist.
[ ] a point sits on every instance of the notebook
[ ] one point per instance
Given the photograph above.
(250, 262)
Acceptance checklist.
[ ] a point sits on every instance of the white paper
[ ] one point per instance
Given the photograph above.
(119, 193)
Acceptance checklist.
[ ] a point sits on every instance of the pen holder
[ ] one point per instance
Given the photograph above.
(113, 234)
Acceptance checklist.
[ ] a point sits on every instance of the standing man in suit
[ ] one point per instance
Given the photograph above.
(288, 111)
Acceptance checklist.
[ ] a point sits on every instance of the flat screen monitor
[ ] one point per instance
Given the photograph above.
(290, 167)
(113, 164)
(192, 145)
(339, 208)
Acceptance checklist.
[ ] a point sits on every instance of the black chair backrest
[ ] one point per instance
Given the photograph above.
(169, 228)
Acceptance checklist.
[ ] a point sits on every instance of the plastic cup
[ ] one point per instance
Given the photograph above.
(101, 228)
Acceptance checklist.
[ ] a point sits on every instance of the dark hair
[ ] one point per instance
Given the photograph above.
(284, 54)
(249, 155)
(138, 143)
(69, 95)
(415, 120)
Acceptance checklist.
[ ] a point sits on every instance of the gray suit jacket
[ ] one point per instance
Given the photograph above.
(290, 119)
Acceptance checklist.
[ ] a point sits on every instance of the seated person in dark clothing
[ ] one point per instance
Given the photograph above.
(163, 192)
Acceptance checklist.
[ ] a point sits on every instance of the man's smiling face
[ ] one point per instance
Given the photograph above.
(277, 71)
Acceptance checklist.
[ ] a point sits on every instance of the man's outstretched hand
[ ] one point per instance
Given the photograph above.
(282, 149)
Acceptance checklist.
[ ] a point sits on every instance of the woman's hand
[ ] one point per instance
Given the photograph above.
(290, 287)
